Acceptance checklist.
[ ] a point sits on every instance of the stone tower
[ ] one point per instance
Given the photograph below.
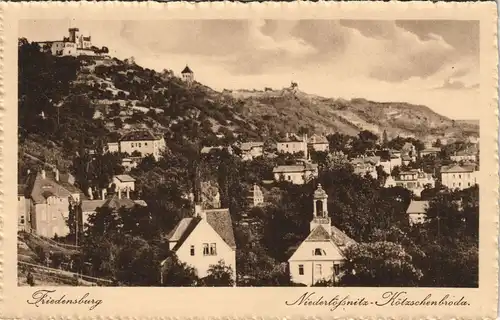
(187, 75)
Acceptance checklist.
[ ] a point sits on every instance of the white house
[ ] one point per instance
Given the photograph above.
(366, 165)
(293, 144)
(459, 177)
(204, 240)
(321, 255)
(414, 180)
(251, 150)
(467, 155)
(124, 182)
(143, 142)
(318, 143)
(255, 196)
(296, 174)
(417, 211)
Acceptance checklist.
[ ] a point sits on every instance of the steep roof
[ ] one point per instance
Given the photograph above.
(218, 219)
(92, 205)
(139, 135)
(115, 203)
(39, 188)
(187, 70)
(317, 139)
(338, 237)
(417, 206)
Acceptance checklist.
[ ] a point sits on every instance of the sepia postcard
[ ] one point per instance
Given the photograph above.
(264, 160)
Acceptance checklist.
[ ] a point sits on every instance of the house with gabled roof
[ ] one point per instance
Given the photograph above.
(50, 195)
(320, 256)
(293, 144)
(318, 143)
(250, 150)
(204, 239)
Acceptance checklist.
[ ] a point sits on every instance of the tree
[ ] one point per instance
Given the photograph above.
(137, 262)
(177, 274)
(385, 139)
(219, 275)
(385, 264)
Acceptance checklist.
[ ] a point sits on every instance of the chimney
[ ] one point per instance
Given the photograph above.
(119, 193)
(43, 174)
(198, 211)
(57, 174)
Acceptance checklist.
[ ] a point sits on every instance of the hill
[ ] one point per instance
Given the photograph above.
(96, 98)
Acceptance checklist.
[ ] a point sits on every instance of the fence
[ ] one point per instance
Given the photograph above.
(62, 275)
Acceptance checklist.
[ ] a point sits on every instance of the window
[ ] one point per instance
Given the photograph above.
(453, 183)
(289, 178)
(319, 252)
(139, 144)
(468, 184)
(318, 270)
(453, 176)
(336, 268)
(205, 249)
(213, 249)
(459, 176)
(460, 184)
(192, 250)
(145, 143)
(301, 269)
(132, 145)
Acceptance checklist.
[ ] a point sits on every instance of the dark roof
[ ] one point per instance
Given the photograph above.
(92, 205)
(220, 220)
(139, 135)
(182, 231)
(338, 237)
(39, 189)
(187, 70)
(115, 203)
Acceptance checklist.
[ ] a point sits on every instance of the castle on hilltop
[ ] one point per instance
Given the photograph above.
(73, 45)
(187, 75)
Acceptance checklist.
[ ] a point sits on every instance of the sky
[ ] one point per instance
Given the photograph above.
(428, 62)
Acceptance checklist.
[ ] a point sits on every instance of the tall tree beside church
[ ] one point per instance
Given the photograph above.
(385, 139)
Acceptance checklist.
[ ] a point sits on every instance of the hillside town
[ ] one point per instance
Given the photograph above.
(128, 203)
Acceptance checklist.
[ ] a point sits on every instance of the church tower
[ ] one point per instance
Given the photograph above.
(320, 210)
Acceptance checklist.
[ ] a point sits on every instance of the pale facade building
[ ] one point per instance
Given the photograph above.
(413, 180)
(50, 195)
(143, 142)
(255, 196)
(204, 240)
(187, 75)
(417, 211)
(251, 150)
(320, 256)
(296, 174)
(124, 182)
(23, 210)
(74, 45)
(459, 177)
(293, 144)
(318, 143)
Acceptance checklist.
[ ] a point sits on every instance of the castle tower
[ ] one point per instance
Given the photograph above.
(320, 210)
(187, 75)
(72, 34)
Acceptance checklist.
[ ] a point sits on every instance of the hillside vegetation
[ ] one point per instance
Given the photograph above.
(67, 103)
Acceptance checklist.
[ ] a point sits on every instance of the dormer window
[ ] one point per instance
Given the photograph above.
(319, 252)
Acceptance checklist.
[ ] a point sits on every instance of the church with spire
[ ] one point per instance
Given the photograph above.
(321, 255)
